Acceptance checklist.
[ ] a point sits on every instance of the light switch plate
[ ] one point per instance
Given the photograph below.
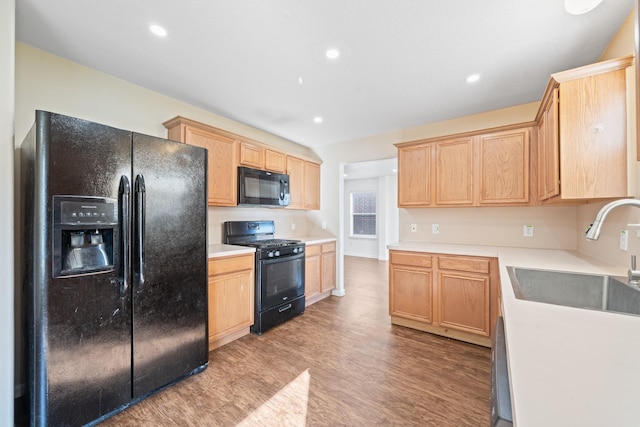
(414, 228)
(527, 231)
(435, 228)
(624, 234)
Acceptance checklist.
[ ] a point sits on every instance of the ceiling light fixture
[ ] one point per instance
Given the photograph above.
(158, 30)
(332, 53)
(473, 78)
(317, 119)
(579, 7)
(300, 81)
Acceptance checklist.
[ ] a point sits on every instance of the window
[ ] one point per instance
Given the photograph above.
(363, 214)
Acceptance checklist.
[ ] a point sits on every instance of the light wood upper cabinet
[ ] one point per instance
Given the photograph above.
(587, 112)
(295, 170)
(251, 155)
(275, 161)
(227, 151)
(311, 185)
(454, 172)
(304, 183)
(258, 157)
(488, 168)
(504, 167)
(414, 180)
(548, 148)
(222, 174)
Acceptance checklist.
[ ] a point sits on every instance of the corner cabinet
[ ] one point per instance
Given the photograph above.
(450, 295)
(231, 298)
(484, 168)
(320, 271)
(304, 183)
(585, 126)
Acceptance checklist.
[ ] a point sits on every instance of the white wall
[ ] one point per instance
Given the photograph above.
(7, 46)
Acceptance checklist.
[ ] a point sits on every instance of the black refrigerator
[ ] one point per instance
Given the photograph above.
(115, 267)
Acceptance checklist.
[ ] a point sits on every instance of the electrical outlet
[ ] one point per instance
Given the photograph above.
(527, 231)
(623, 239)
(414, 228)
(324, 225)
(435, 228)
(293, 226)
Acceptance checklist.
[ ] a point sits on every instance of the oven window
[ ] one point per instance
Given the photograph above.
(282, 280)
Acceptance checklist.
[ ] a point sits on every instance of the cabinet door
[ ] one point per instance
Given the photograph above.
(414, 176)
(251, 155)
(549, 146)
(222, 165)
(593, 139)
(312, 271)
(230, 303)
(464, 302)
(454, 172)
(311, 185)
(275, 161)
(411, 293)
(295, 170)
(328, 266)
(504, 167)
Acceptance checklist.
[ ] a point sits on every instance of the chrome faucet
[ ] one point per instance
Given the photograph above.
(593, 232)
(633, 274)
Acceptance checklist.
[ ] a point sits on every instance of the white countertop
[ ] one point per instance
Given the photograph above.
(221, 250)
(567, 366)
(315, 240)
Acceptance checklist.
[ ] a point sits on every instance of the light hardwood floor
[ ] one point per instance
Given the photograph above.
(362, 371)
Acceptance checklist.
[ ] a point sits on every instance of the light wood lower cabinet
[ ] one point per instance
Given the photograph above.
(450, 295)
(320, 271)
(231, 293)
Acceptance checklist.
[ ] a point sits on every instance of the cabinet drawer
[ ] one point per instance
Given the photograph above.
(312, 250)
(411, 258)
(229, 264)
(328, 247)
(475, 265)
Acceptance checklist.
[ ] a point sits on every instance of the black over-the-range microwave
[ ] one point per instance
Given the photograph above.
(262, 188)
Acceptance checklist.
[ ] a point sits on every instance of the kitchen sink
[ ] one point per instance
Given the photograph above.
(590, 291)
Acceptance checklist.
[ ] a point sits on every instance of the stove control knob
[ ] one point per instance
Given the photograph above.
(295, 250)
(270, 254)
(277, 253)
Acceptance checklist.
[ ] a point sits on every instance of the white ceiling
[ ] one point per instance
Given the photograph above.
(403, 62)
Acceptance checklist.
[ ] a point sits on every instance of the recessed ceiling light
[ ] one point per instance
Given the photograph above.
(332, 53)
(317, 119)
(473, 78)
(300, 81)
(578, 7)
(158, 30)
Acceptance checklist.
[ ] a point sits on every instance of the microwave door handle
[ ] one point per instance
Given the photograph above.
(282, 184)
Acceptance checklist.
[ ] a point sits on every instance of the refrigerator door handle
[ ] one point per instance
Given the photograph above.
(125, 224)
(140, 219)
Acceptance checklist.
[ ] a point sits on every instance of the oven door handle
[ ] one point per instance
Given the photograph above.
(283, 258)
(285, 308)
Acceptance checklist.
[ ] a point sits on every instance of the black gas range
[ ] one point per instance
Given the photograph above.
(279, 271)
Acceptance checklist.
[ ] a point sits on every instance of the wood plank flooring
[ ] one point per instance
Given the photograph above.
(362, 371)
